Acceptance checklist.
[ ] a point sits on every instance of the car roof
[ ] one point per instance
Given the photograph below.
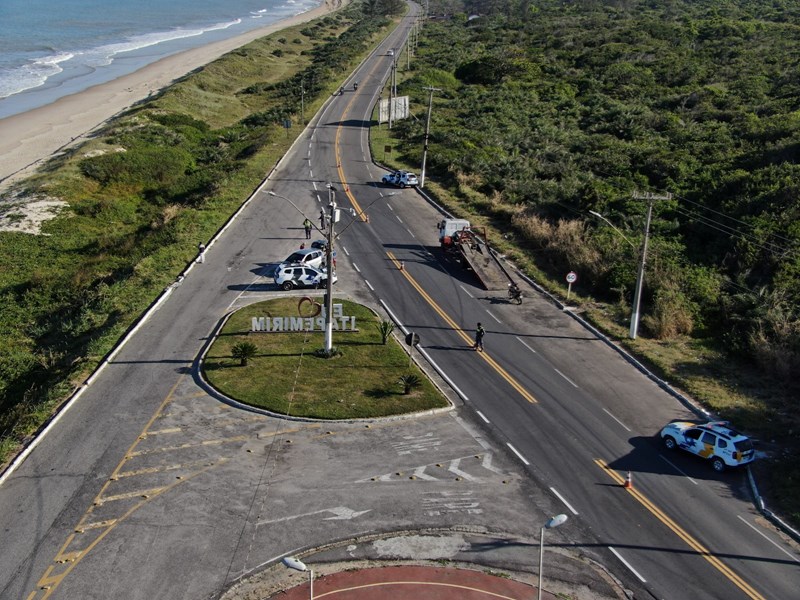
(722, 428)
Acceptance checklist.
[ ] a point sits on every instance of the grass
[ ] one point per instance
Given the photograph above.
(286, 375)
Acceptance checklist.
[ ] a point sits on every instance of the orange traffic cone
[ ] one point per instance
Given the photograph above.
(628, 482)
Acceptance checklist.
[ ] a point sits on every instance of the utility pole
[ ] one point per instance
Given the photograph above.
(427, 132)
(329, 264)
(302, 102)
(637, 296)
(392, 90)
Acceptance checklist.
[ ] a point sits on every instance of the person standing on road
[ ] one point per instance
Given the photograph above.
(479, 333)
(307, 227)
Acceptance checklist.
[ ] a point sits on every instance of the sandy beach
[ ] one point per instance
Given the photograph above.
(29, 138)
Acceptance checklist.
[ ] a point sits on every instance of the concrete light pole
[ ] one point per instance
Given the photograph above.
(427, 132)
(298, 565)
(552, 523)
(637, 294)
(332, 218)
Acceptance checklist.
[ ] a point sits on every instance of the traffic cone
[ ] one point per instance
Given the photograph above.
(628, 482)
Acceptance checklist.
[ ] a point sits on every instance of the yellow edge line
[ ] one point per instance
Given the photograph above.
(681, 533)
(500, 370)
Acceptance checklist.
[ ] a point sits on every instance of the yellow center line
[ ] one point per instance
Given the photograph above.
(683, 534)
(500, 370)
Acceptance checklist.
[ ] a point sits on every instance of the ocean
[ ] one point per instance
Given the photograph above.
(53, 48)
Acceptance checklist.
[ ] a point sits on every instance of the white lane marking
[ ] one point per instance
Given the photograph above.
(677, 469)
(355, 266)
(567, 504)
(466, 291)
(565, 377)
(369, 285)
(398, 218)
(389, 206)
(514, 450)
(491, 315)
(420, 473)
(411, 233)
(311, 174)
(486, 463)
(314, 183)
(318, 198)
(481, 415)
(617, 420)
(453, 468)
(344, 249)
(524, 343)
(442, 374)
(427, 356)
(764, 535)
(627, 564)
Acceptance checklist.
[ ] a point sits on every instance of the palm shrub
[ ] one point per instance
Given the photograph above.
(244, 351)
(409, 382)
(385, 328)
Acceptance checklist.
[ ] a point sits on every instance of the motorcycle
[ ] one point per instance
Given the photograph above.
(355, 86)
(514, 293)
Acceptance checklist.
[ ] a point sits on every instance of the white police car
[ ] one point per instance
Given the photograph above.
(289, 277)
(401, 179)
(715, 441)
(309, 257)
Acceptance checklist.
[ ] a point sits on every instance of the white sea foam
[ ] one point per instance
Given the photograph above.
(104, 55)
(32, 75)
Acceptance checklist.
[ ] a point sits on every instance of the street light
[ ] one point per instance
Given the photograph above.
(328, 260)
(551, 524)
(298, 565)
(637, 294)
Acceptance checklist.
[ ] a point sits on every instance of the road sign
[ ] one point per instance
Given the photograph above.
(572, 277)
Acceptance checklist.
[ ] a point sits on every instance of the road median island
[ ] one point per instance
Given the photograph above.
(284, 370)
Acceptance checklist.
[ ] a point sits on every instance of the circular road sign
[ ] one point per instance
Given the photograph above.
(572, 277)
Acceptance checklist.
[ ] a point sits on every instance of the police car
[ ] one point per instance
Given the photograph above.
(715, 441)
(400, 179)
(289, 277)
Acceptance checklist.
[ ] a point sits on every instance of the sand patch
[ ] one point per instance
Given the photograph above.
(26, 214)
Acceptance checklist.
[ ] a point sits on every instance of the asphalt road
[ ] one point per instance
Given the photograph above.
(151, 487)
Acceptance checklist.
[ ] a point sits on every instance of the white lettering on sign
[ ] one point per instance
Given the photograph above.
(339, 321)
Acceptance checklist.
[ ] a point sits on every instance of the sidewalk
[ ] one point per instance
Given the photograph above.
(448, 565)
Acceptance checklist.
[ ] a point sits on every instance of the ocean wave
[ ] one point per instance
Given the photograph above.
(104, 55)
(33, 74)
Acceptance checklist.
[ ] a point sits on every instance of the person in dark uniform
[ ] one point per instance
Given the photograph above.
(479, 333)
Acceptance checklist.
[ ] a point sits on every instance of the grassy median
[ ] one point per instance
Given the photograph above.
(287, 374)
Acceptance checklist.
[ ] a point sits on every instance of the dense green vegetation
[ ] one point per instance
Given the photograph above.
(286, 373)
(546, 110)
(141, 194)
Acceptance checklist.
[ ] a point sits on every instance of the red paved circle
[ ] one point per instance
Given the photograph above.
(412, 582)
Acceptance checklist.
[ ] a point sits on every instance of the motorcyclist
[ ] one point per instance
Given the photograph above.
(355, 86)
(514, 293)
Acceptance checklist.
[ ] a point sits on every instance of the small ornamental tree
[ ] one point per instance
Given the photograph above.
(409, 382)
(244, 351)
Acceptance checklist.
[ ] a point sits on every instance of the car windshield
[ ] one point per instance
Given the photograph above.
(296, 257)
(744, 445)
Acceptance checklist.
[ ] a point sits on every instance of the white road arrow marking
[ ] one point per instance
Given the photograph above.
(340, 513)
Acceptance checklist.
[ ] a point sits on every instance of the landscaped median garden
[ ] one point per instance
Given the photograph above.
(368, 375)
